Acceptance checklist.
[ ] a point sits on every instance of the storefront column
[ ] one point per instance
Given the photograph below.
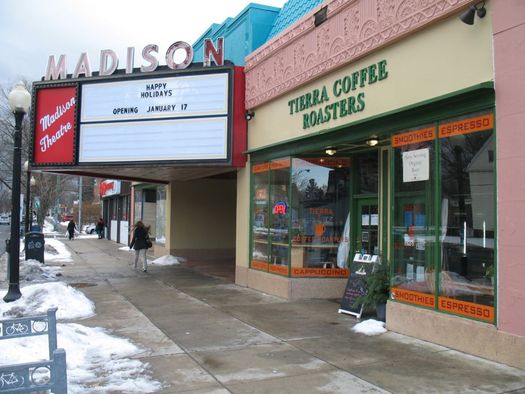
(509, 60)
(243, 226)
(169, 197)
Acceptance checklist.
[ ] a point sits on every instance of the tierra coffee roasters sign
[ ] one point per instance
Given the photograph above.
(178, 115)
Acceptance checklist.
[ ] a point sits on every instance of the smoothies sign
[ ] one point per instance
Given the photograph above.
(55, 126)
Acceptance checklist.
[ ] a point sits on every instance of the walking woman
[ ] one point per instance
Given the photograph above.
(71, 227)
(139, 242)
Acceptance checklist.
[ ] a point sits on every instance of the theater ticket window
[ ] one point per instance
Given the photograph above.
(449, 266)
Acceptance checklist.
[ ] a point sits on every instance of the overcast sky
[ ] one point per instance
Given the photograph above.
(31, 30)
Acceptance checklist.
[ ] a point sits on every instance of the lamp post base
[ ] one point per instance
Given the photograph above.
(13, 293)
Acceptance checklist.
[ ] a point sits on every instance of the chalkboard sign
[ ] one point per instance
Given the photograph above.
(355, 287)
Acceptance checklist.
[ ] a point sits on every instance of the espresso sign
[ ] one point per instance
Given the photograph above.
(184, 96)
(54, 136)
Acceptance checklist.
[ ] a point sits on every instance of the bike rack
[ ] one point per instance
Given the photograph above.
(37, 376)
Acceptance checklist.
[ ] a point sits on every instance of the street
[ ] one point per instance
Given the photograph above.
(4, 234)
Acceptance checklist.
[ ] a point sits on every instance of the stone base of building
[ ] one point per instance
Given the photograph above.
(469, 336)
(290, 288)
(204, 254)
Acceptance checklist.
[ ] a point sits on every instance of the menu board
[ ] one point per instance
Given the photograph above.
(355, 288)
(356, 284)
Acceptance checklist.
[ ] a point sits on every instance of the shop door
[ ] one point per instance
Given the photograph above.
(367, 234)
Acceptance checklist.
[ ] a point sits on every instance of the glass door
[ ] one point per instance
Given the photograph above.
(367, 234)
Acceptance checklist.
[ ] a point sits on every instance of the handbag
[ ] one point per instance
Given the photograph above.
(149, 244)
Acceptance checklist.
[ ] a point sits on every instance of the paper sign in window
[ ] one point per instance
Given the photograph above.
(416, 165)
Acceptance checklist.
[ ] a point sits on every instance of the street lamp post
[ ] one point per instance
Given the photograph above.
(30, 181)
(19, 101)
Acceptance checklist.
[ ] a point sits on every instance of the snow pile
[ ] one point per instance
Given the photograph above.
(370, 327)
(49, 227)
(35, 271)
(125, 248)
(29, 271)
(97, 362)
(168, 260)
(55, 251)
(38, 298)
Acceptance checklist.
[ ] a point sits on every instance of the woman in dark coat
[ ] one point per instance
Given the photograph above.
(139, 243)
(71, 227)
(100, 228)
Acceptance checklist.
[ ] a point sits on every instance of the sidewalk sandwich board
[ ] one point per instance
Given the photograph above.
(356, 284)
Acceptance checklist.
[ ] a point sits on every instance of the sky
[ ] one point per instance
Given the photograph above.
(32, 30)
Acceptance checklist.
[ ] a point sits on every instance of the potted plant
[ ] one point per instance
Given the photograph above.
(377, 285)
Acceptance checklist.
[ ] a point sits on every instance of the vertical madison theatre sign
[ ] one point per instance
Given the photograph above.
(180, 114)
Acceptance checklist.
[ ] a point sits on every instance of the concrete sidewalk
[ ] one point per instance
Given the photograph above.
(203, 334)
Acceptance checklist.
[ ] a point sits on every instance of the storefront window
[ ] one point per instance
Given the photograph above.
(456, 277)
(413, 231)
(320, 206)
(160, 230)
(467, 220)
(300, 215)
(279, 216)
(260, 219)
(123, 208)
(137, 211)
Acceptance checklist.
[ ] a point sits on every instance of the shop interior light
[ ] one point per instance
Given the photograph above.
(468, 16)
(372, 141)
(330, 151)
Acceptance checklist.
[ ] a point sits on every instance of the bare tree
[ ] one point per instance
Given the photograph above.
(7, 128)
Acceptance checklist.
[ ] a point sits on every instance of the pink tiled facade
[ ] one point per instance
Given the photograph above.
(509, 61)
(353, 30)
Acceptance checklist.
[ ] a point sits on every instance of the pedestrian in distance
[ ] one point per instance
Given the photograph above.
(141, 242)
(100, 228)
(71, 227)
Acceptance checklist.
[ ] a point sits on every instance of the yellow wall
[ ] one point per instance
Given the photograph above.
(432, 63)
(202, 214)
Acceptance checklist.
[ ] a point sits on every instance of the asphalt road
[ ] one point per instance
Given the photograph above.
(4, 234)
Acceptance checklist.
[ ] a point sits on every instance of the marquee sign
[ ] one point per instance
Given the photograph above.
(109, 60)
(195, 95)
(54, 134)
(186, 117)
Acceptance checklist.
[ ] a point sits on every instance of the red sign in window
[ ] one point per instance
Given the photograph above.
(54, 138)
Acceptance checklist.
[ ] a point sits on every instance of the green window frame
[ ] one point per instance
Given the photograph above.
(443, 245)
